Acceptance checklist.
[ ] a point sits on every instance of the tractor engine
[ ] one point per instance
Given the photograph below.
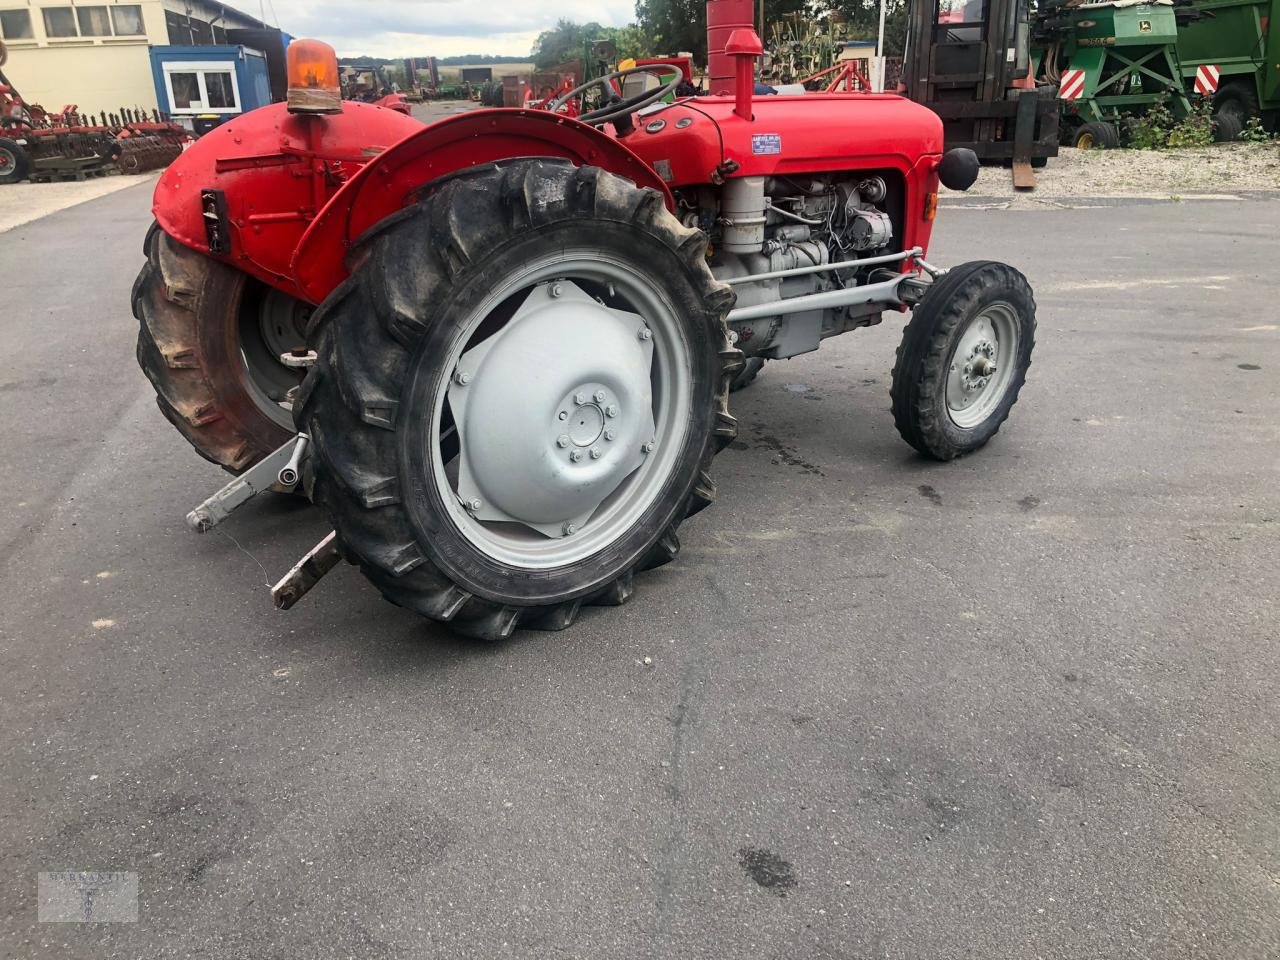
(760, 226)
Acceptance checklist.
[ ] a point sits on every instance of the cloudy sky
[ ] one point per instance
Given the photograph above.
(444, 28)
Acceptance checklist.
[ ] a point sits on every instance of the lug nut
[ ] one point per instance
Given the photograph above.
(562, 441)
(595, 453)
(648, 447)
(575, 455)
(645, 333)
(554, 290)
(462, 378)
(599, 396)
(609, 434)
(579, 398)
(611, 410)
(474, 504)
(570, 528)
(564, 414)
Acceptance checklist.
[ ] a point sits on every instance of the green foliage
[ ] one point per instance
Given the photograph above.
(568, 40)
(863, 17)
(1195, 129)
(1157, 129)
(1255, 132)
(674, 26)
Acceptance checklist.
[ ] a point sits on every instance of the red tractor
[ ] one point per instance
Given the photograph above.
(497, 350)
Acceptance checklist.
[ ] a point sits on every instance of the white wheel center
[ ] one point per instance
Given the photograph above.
(554, 411)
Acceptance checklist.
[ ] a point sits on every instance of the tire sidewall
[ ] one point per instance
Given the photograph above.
(436, 529)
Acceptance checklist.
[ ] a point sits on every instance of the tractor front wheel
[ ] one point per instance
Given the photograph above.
(963, 359)
(210, 339)
(518, 394)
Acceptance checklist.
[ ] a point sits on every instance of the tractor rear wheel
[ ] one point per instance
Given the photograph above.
(963, 359)
(210, 339)
(14, 162)
(517, 395)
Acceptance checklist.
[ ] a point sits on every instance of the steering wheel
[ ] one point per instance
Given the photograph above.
(617, 107)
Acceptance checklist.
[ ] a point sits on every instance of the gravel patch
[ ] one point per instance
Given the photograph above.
(1222, 171)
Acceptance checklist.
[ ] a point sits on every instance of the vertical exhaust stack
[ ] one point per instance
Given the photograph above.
(724, 17)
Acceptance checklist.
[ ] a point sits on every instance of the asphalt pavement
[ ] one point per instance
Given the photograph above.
(1021, 705)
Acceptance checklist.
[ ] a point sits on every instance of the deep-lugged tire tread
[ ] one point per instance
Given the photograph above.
(340, 388)
(921, 359)
(166, 298)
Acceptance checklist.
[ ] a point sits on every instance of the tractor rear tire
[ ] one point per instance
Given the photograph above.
(978, 315)
(1096, 136)
(14, 162)
(389, 410)
(201, 346)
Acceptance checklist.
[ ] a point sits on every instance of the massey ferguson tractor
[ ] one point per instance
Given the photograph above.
(497, 350)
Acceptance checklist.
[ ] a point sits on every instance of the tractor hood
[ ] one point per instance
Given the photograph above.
(688, 141)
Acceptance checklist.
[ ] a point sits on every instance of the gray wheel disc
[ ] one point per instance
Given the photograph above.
(982, 365)
(569, 418)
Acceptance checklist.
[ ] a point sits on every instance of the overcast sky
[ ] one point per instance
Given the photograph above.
(443, 28)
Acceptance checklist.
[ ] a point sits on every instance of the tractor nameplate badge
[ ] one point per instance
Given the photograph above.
(766, 143)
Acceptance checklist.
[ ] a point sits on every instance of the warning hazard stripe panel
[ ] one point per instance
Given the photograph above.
(1207, 79)
(1072, 84)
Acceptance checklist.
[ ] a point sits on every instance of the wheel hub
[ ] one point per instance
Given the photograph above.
(554, 411)
(978, 378)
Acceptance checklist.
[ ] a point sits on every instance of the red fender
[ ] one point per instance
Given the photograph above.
(391, 182)
(277, 171)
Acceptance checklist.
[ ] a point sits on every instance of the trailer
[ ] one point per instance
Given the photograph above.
(1230, 50)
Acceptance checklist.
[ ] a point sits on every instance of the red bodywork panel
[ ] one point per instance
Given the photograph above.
(481, 136)
(300, 190)
(796, 136)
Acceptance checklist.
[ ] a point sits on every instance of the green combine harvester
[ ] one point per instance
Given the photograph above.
(1114, 60)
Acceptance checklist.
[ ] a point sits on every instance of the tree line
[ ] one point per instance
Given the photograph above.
(674, 26)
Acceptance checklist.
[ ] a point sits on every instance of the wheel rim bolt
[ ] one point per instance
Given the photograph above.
(648, 447)
(474, 504)
(599, 396)
(554, 290)
(579, 398)
(609, 434)
(645, 333)
(564, 414)
(611, 411)
(595, 453)
(562, 441)
(575, 455)
(570, 528)
(462, 379)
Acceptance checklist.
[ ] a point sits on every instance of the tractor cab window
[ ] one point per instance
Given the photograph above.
(15, 25)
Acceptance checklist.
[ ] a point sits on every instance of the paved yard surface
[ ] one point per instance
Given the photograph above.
(1022, 705)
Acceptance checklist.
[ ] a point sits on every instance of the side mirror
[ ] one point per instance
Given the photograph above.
(958, 168)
